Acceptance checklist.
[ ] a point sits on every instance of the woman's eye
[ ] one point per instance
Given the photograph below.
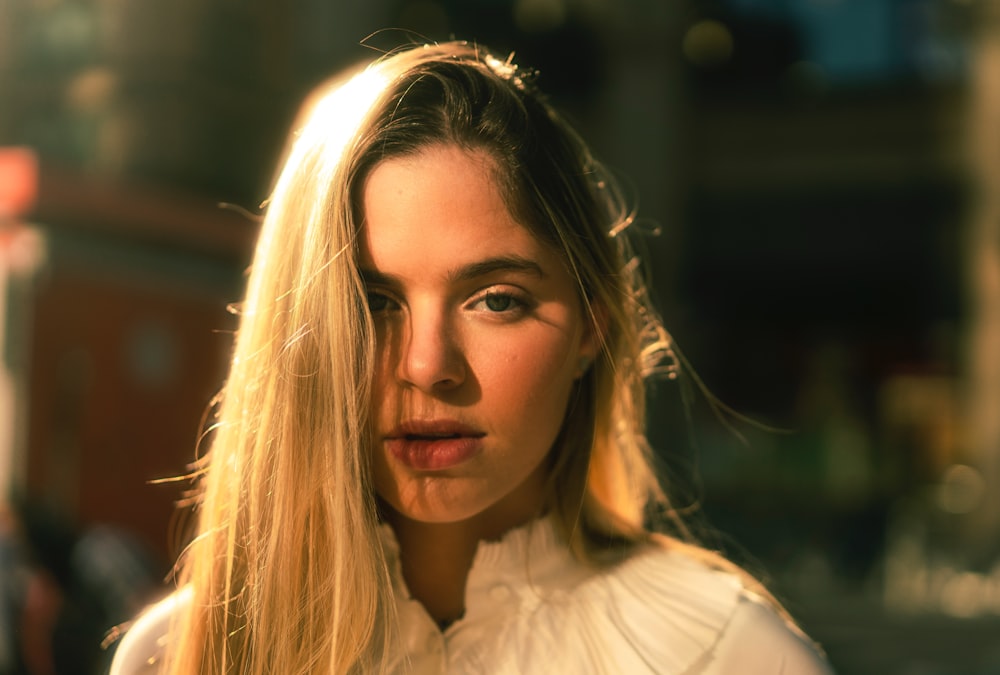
(379, 302)
(499, 302)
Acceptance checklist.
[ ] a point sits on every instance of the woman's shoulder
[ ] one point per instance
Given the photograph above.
(140, 651)
(758, 639)
(686, 608)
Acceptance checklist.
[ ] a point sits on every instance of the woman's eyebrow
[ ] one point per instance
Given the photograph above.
(475, 270)
(506, 263)
(372, 277)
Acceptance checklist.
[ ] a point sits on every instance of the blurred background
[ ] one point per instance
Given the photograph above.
(820, 185)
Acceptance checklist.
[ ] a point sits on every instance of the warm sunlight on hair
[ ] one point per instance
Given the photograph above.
(334, 119)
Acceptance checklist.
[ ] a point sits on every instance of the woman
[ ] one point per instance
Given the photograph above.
(429, 455)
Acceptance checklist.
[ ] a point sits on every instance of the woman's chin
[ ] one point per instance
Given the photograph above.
(431, 512)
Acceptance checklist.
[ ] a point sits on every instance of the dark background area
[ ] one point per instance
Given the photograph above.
(818, 180)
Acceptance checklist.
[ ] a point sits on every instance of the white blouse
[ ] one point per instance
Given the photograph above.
(531, 607)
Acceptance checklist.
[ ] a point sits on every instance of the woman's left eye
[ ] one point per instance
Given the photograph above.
(499, 302)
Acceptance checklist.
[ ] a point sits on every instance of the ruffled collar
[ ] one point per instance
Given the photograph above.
(532, 546)
(530, 601)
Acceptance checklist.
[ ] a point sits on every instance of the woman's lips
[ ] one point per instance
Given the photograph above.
(433, 445)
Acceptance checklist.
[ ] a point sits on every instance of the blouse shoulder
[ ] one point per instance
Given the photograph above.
(140, 651)
(759, 640)
(687, 616)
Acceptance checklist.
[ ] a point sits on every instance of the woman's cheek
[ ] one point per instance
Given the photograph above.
(542, 369)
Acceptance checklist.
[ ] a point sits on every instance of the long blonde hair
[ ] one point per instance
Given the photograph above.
(286, 569)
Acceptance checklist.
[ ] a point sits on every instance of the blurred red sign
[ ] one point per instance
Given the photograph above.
(18, 181)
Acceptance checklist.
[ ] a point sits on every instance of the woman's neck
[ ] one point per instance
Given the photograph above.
(436, 557)
(435, 560)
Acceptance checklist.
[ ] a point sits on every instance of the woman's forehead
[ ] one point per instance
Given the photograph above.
(443, 209)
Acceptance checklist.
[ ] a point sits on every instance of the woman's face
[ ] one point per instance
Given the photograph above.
(480, 337)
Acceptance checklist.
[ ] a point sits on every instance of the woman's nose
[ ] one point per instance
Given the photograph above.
(431, 358)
